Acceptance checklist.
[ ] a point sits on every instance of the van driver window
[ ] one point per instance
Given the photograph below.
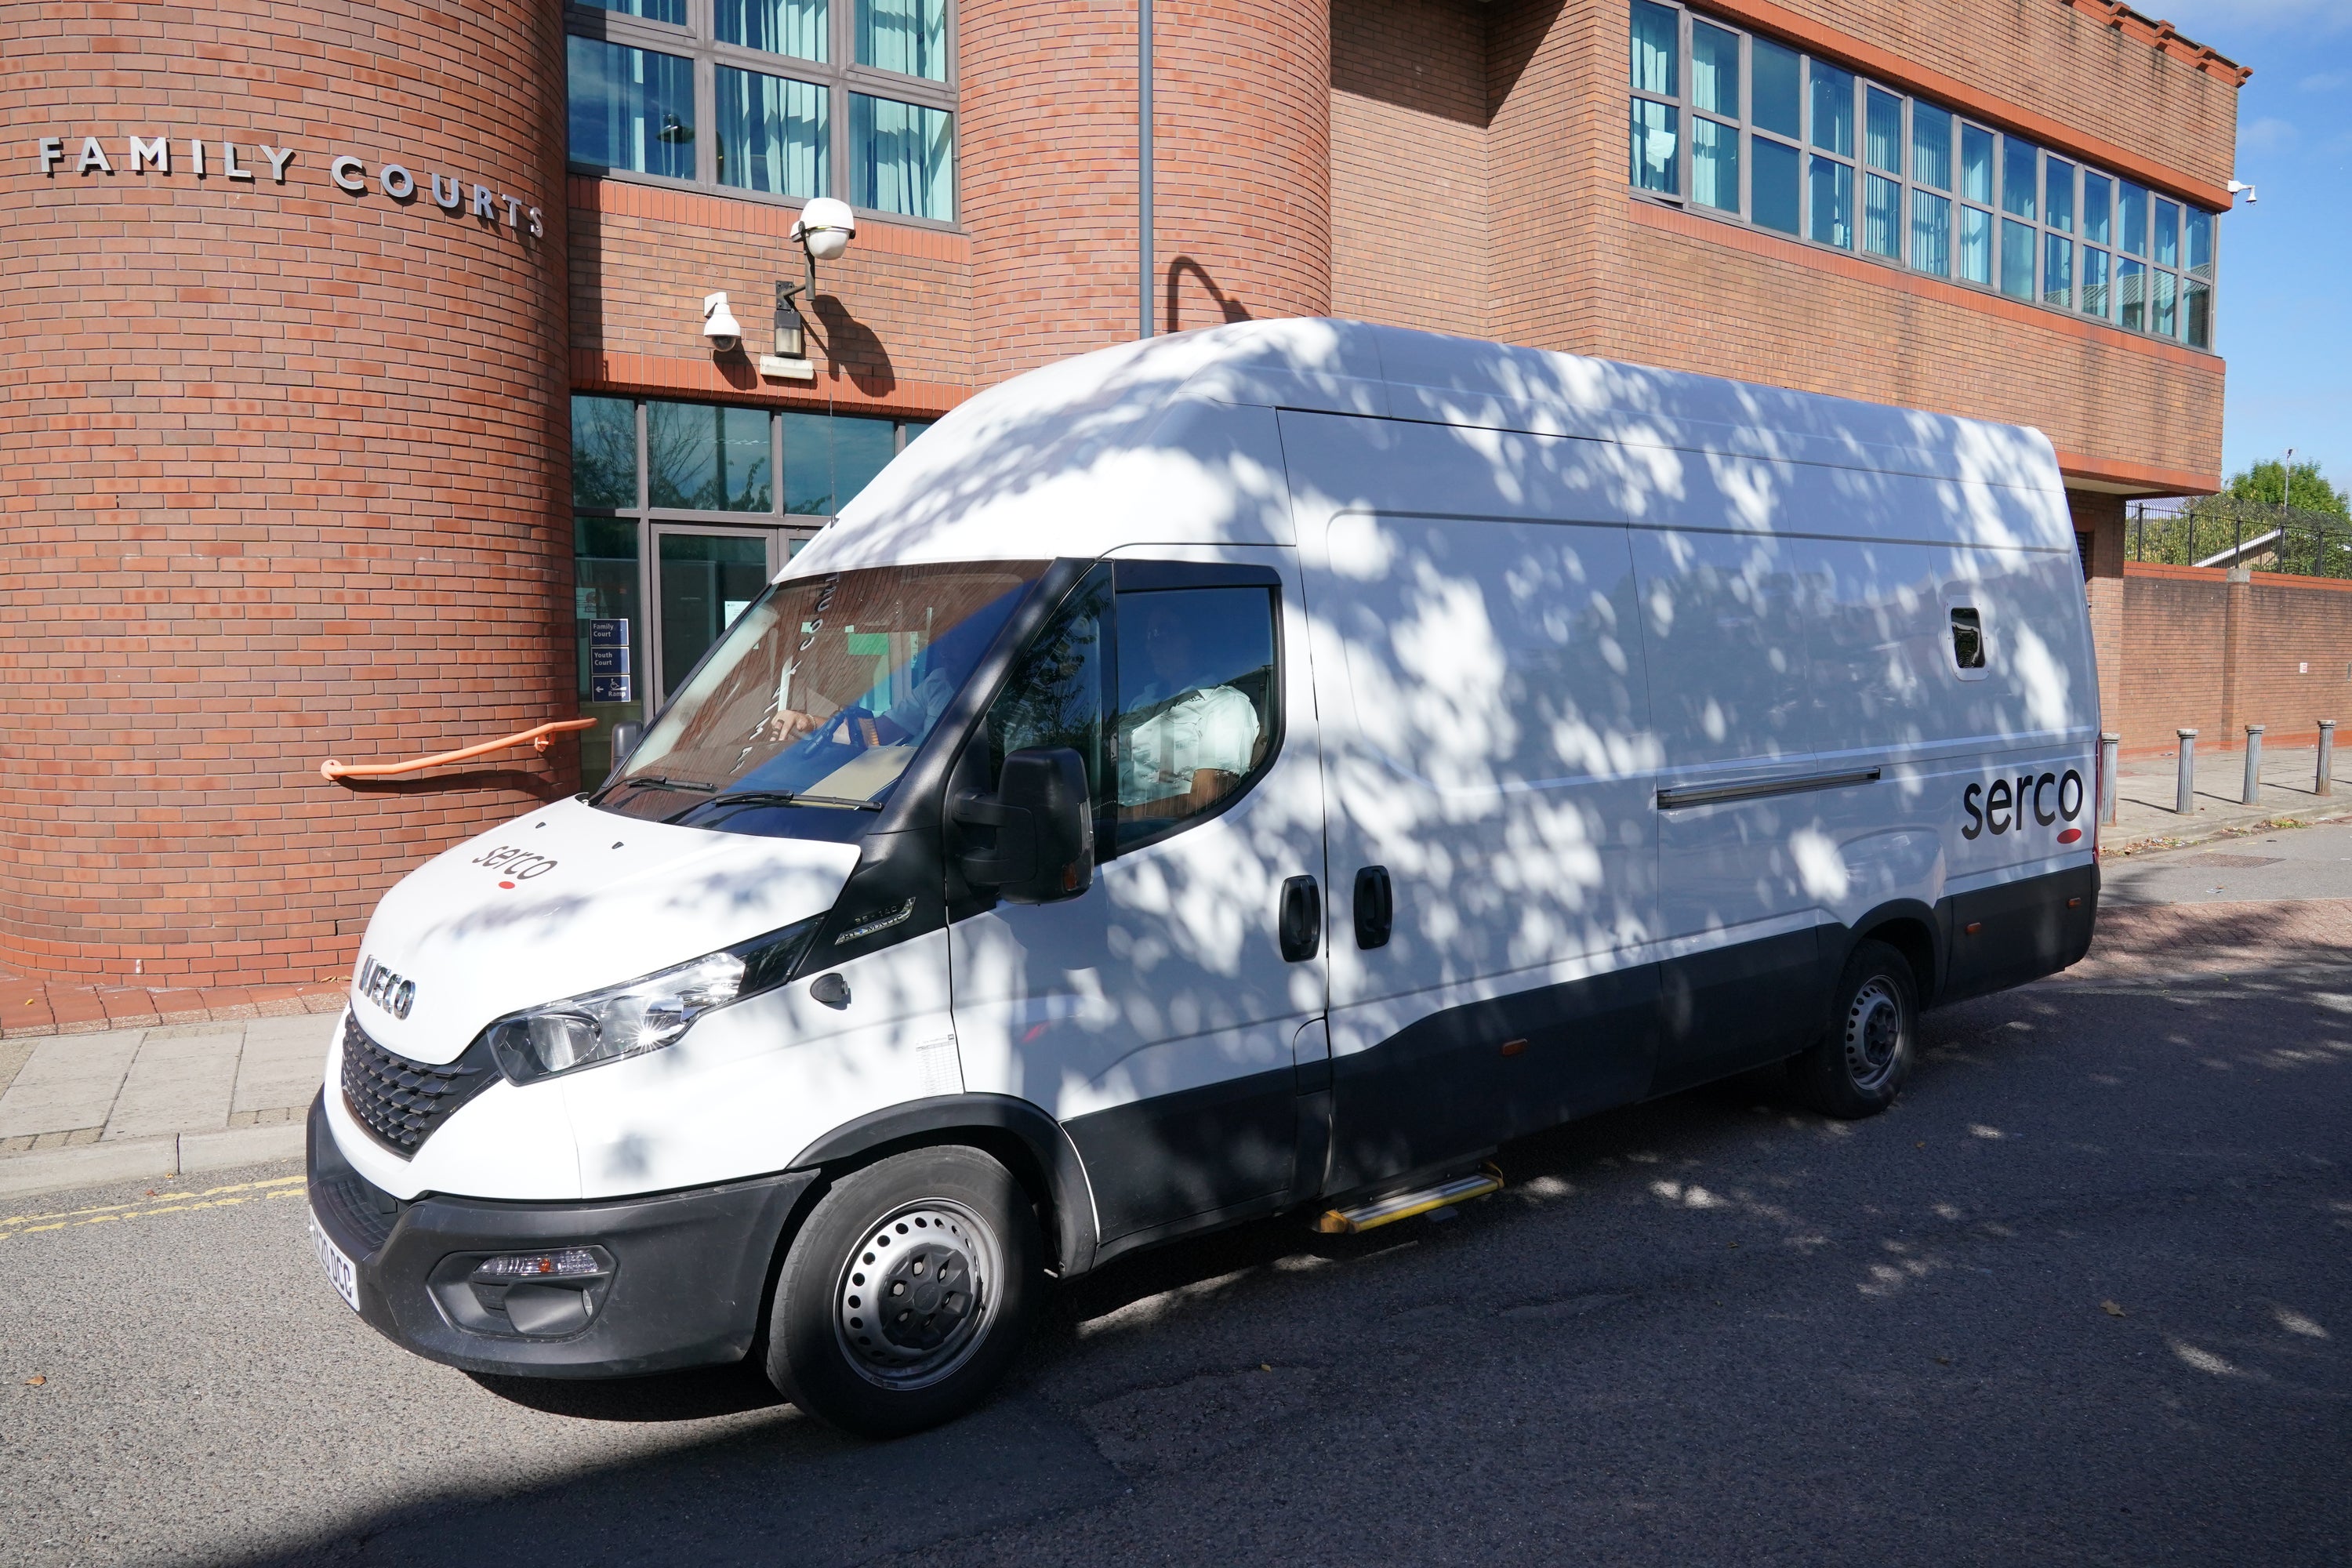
(1196, 693)
(1968, 640)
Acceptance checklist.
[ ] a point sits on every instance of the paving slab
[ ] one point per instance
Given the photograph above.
(282, 1062)
(70, 1081)
(177, 1086)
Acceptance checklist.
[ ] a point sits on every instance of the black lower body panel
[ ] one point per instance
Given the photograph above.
(2011, 932)
(1731, 1008)
(688, 1270)
(1152, 1162)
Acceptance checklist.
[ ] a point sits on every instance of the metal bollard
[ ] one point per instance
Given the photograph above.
(2109, 747)
(2253, 793)
(2185, 801)
(2324, 782)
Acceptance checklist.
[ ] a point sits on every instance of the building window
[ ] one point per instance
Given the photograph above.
(681, 512)
(1805, 147)
(787, 99)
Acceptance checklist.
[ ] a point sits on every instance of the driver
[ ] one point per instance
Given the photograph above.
(1174, 730)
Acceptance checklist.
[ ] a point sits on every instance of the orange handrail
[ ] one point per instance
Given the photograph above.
(331, 769)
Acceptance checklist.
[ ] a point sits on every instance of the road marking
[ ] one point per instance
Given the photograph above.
(162, 1204)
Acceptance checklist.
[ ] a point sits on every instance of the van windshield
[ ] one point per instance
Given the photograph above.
(817, 697)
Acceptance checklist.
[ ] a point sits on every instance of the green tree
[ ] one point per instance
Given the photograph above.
(2305, 486)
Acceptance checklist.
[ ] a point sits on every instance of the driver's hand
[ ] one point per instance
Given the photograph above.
(785, 724)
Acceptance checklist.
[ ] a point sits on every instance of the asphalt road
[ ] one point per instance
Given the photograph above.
(2085, 1295)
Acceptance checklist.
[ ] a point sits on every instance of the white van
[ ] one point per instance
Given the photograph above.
(1259, 770)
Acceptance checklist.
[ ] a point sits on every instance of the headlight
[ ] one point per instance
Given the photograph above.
(644, 1014)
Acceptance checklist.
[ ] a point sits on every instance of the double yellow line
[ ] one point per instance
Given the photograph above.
(15, 1225)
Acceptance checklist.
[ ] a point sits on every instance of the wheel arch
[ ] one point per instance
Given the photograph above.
(1018, 1133)
(1911, 929)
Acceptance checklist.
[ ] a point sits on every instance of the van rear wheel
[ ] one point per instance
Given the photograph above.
(1860, 1063)
(906, 1293)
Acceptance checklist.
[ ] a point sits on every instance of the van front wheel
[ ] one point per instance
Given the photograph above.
(1858, 1065)
(906, 1293)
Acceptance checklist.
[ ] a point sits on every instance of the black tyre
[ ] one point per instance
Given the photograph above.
(906, 1293)
(1858, 1065)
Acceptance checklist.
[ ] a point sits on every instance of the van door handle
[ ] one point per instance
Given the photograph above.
(1375, 907)
(1300, 922)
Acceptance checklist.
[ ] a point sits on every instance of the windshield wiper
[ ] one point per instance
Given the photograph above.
(774, 797)
(655, 781)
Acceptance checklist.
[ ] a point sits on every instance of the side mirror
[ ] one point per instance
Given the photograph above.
(1044, 849)
(625, 736)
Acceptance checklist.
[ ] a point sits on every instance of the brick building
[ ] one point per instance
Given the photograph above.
(358, 404)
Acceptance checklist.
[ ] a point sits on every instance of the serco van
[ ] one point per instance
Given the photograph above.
(1260, 769)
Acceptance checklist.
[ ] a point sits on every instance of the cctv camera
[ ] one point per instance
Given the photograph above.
(825, 227)
(719, 325)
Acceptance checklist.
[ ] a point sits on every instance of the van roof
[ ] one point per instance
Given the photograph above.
(1141, 442)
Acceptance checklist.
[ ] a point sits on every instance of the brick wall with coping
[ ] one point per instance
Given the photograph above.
(284, 469)
(2186, 664)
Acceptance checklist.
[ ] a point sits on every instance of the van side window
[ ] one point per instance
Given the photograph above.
(1055, 694)
(1197, 691)
(1968, 638)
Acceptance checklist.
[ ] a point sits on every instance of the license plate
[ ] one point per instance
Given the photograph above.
(338, 1271)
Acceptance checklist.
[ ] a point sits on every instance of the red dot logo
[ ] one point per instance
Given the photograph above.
(2071, 835)
(509, 886)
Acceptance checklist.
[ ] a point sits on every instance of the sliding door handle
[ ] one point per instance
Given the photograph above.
(1300, 922)
(1375, 907)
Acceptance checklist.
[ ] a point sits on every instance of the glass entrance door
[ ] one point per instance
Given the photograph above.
(703, 579)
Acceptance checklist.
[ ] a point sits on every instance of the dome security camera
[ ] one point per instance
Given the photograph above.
(719, 325)
(825, 227)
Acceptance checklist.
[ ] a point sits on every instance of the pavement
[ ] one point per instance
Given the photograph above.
(2085, 1295)
(2147, 790)
(128, 1104)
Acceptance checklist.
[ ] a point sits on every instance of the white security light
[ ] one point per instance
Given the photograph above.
(2237, 185)
(824, 229)
(719, 325)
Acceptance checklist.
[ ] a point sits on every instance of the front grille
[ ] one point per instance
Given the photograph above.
(401, 1101)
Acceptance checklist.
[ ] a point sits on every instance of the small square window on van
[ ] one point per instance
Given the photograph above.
(1968, 638)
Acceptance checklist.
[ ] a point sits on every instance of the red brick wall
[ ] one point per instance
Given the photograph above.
(283, 470)
(1409, 240)
(2177, 668)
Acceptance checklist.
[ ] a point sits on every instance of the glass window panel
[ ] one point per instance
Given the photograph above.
(828, 459)
(1975, 245)
(1715, 165)
(604, 451)
(1059, 689)
(1931, 145)
(2058, 194)
(671, 11)
(2200, 242)
(704, 581)
(2057, 270)
(1931, 233)
(1772, 89)
(2134, 241)
(1882, 217)
(909, 35)
(1833, 109)
(703, 457)
(771, 132)
(2167, 237)
(1772, 184)
(901, 157)
(779, 27)
(2016, 259)
(2196, 307)
(2131, 294)
(1976, 165)
(2163, 304)
(631, 109)
(2020, 176)
(914, 428)
(1830, 206)
(1715, 69)
(2094, 294)
(1882, 130)
(1196, 698)
(1652, 147)
(605, 588)
(2098, 208)
(1655, 48)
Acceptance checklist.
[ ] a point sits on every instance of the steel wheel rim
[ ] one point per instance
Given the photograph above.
(1873, 1032)
(918, 1294)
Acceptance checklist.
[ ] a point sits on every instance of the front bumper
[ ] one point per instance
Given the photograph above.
(689, 1270)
